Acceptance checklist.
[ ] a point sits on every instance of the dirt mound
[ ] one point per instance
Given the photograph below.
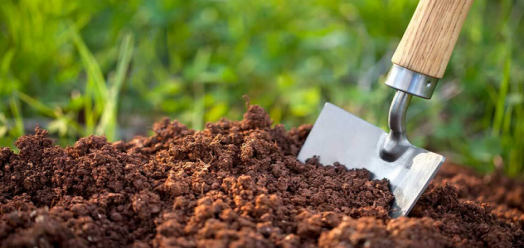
(234, 184)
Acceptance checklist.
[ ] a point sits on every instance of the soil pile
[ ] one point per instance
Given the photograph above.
(234, 184)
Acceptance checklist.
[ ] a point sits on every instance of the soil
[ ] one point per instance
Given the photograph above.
(234, 184)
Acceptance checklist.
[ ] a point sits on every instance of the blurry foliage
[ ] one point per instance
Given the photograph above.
(81, 67)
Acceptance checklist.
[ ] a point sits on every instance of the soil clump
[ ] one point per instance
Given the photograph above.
(234, 184)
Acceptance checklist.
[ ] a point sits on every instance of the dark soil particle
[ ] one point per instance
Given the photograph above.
(234, 184)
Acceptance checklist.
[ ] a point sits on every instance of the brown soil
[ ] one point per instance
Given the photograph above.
(235, 184)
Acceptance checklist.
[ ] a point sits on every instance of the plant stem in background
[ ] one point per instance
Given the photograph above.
(96, 87)
(198, 69)
(15, 109)
(108, 120)
(198, 112)
(501, 101)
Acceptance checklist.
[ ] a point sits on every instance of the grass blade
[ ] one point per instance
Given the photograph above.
(108, 120)
(501, 101)
(15, 109)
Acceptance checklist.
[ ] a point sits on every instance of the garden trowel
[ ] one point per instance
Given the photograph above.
(418, 63)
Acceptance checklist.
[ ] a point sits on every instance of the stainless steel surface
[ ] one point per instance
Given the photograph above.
(396, 143)
(411, 82)
(339, 136)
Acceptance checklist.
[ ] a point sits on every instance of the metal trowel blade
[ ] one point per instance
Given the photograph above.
(338, 136)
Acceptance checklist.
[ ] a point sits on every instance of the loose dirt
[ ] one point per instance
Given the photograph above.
(234, 184)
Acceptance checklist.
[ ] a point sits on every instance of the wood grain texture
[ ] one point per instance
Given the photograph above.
(431, 36)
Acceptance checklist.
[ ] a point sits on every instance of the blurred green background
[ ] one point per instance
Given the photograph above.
(114, 67)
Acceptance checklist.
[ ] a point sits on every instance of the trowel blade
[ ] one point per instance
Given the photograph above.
(338, 136)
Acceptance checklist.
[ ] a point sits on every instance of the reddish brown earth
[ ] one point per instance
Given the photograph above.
(235, 184)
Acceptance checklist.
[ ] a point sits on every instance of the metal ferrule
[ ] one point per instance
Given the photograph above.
(411, 82)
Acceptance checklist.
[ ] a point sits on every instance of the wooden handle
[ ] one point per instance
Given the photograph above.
(431, 36)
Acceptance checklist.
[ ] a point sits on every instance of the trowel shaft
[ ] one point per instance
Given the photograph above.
(420, 61)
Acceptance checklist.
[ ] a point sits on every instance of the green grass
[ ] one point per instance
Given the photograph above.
(96, 67)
